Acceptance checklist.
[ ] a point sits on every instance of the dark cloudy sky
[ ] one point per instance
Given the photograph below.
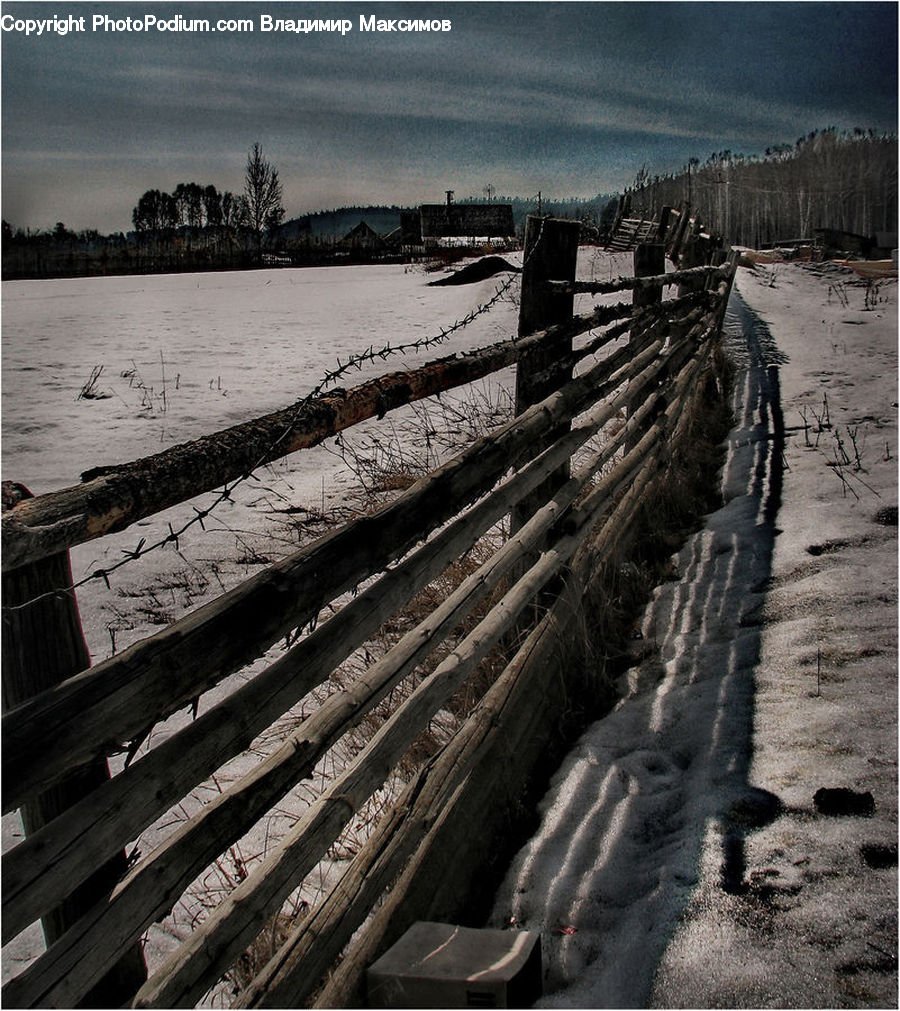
(567, 98)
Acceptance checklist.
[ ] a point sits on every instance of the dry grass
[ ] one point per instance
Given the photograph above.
(615, 597)
(394, 457)
(673, 507)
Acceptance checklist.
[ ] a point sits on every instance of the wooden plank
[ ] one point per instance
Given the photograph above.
(42, 646)
(117, 699)
(662, 227)
(35, 872)
(649, 260)
(56, 860)
(695, 253)
(236, 921)
(158, 881)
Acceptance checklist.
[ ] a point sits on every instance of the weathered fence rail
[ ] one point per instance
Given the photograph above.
(640, 360)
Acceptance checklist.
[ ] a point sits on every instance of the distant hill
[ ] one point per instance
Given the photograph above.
(338, 222)
(596, 208)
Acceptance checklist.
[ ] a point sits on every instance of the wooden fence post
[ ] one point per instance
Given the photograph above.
(623, 206)
(43, 644)
(649, 261)
(551, 251)
(662, 229)
(678, 234)
(695, 252)
(732, 257)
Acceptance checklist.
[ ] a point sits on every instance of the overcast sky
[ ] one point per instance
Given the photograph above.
(567, 98)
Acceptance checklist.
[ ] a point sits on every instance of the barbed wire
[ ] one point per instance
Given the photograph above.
(356, 362)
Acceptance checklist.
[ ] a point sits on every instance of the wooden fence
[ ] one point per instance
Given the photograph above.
(644, 357)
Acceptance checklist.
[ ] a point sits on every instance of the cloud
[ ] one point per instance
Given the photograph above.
(582, 94)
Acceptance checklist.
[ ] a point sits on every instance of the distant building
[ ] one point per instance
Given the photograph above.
(411, 228)
(834, 240)
(393, 240)
(362, 237)
(450, 220)
(885, 245)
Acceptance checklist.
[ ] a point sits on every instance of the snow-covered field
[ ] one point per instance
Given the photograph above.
(186, 355)
(225, 347)
(776, 665)
(682, 860)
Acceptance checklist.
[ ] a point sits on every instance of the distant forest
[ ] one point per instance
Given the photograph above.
(325, 226)
(198, 227)
(846, 181)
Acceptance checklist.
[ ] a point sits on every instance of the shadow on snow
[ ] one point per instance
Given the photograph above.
(630, 812)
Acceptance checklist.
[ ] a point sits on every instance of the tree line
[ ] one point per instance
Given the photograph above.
(195, 227)
(222, 224)
(842, 180)
(845, 181)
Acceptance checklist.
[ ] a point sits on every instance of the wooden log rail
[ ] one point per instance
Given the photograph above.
(636, 283)
(143, 791)
(508, 730)
(112, 498)
(295, 971)
(161, 780)
(117, 700)
(98, 711)
(505, 725)
(253, 798)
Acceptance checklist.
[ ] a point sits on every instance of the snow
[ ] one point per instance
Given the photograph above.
(704, 774)
(681, 860)
(243, 343)
(223, 348)
(183, 356)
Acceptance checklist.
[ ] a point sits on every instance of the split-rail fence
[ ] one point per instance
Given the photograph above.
(643, 360)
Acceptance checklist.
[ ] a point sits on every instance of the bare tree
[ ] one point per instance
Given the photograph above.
(829, 179)
(262, 191)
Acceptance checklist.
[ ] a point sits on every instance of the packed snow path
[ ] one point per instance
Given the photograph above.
(616, 858)
(680, 860)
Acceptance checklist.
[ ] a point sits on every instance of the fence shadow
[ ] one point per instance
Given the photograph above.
(628, 815)
(523, 469)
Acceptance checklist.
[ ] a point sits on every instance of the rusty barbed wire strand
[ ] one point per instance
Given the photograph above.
(330, 376)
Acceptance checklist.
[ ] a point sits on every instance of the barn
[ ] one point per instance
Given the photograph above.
(362, 237)
(449, 220)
